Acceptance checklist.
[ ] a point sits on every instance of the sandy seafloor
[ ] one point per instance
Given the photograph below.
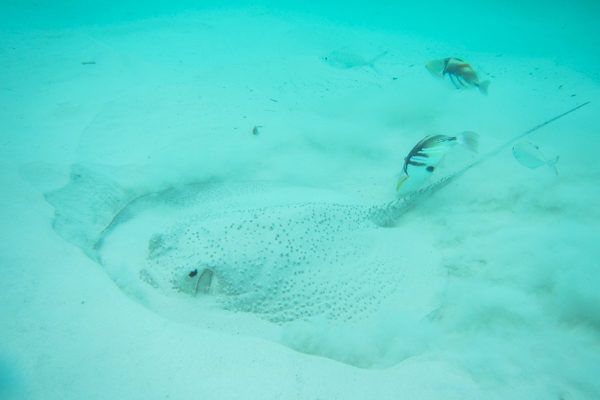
(489, 289)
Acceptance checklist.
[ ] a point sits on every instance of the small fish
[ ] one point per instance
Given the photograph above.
(460, 73)
(346, 60)
(423, 159)
(529, 155)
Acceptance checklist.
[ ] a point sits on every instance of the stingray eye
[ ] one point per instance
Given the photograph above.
(430, 168)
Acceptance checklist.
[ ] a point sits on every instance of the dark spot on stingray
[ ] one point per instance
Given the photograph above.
(430, 168)
(573, 95)
(88, 62)
(193, 273)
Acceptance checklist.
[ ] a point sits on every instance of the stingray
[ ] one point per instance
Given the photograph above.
(280, 254)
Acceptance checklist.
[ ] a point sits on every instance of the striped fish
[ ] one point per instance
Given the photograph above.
(423, 159)
(461, 74)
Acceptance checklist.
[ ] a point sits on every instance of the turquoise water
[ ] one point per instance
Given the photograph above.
(203, 200)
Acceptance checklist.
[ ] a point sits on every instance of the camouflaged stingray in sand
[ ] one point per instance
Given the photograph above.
(278, 258)
(282, 254)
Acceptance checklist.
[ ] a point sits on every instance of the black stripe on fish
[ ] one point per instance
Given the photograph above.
(415, 163)
(420, 150)
(446, 62)
(453, 80)
(458, 81)
(433, 141)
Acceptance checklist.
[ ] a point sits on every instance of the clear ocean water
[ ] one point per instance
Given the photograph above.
(285, 200)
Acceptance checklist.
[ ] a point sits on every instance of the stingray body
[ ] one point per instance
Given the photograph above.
(280, 253)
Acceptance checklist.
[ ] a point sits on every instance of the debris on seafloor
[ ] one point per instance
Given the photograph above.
(256, 130)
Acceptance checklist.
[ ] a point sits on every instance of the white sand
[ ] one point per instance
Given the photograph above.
(501, 267)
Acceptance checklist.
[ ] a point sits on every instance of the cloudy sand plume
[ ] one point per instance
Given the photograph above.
(200, 201)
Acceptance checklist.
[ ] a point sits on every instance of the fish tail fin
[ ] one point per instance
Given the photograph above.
(374, 68)
(376, 58)
(483, 87)
(470, 140)
(401, 181)
(552, 164)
